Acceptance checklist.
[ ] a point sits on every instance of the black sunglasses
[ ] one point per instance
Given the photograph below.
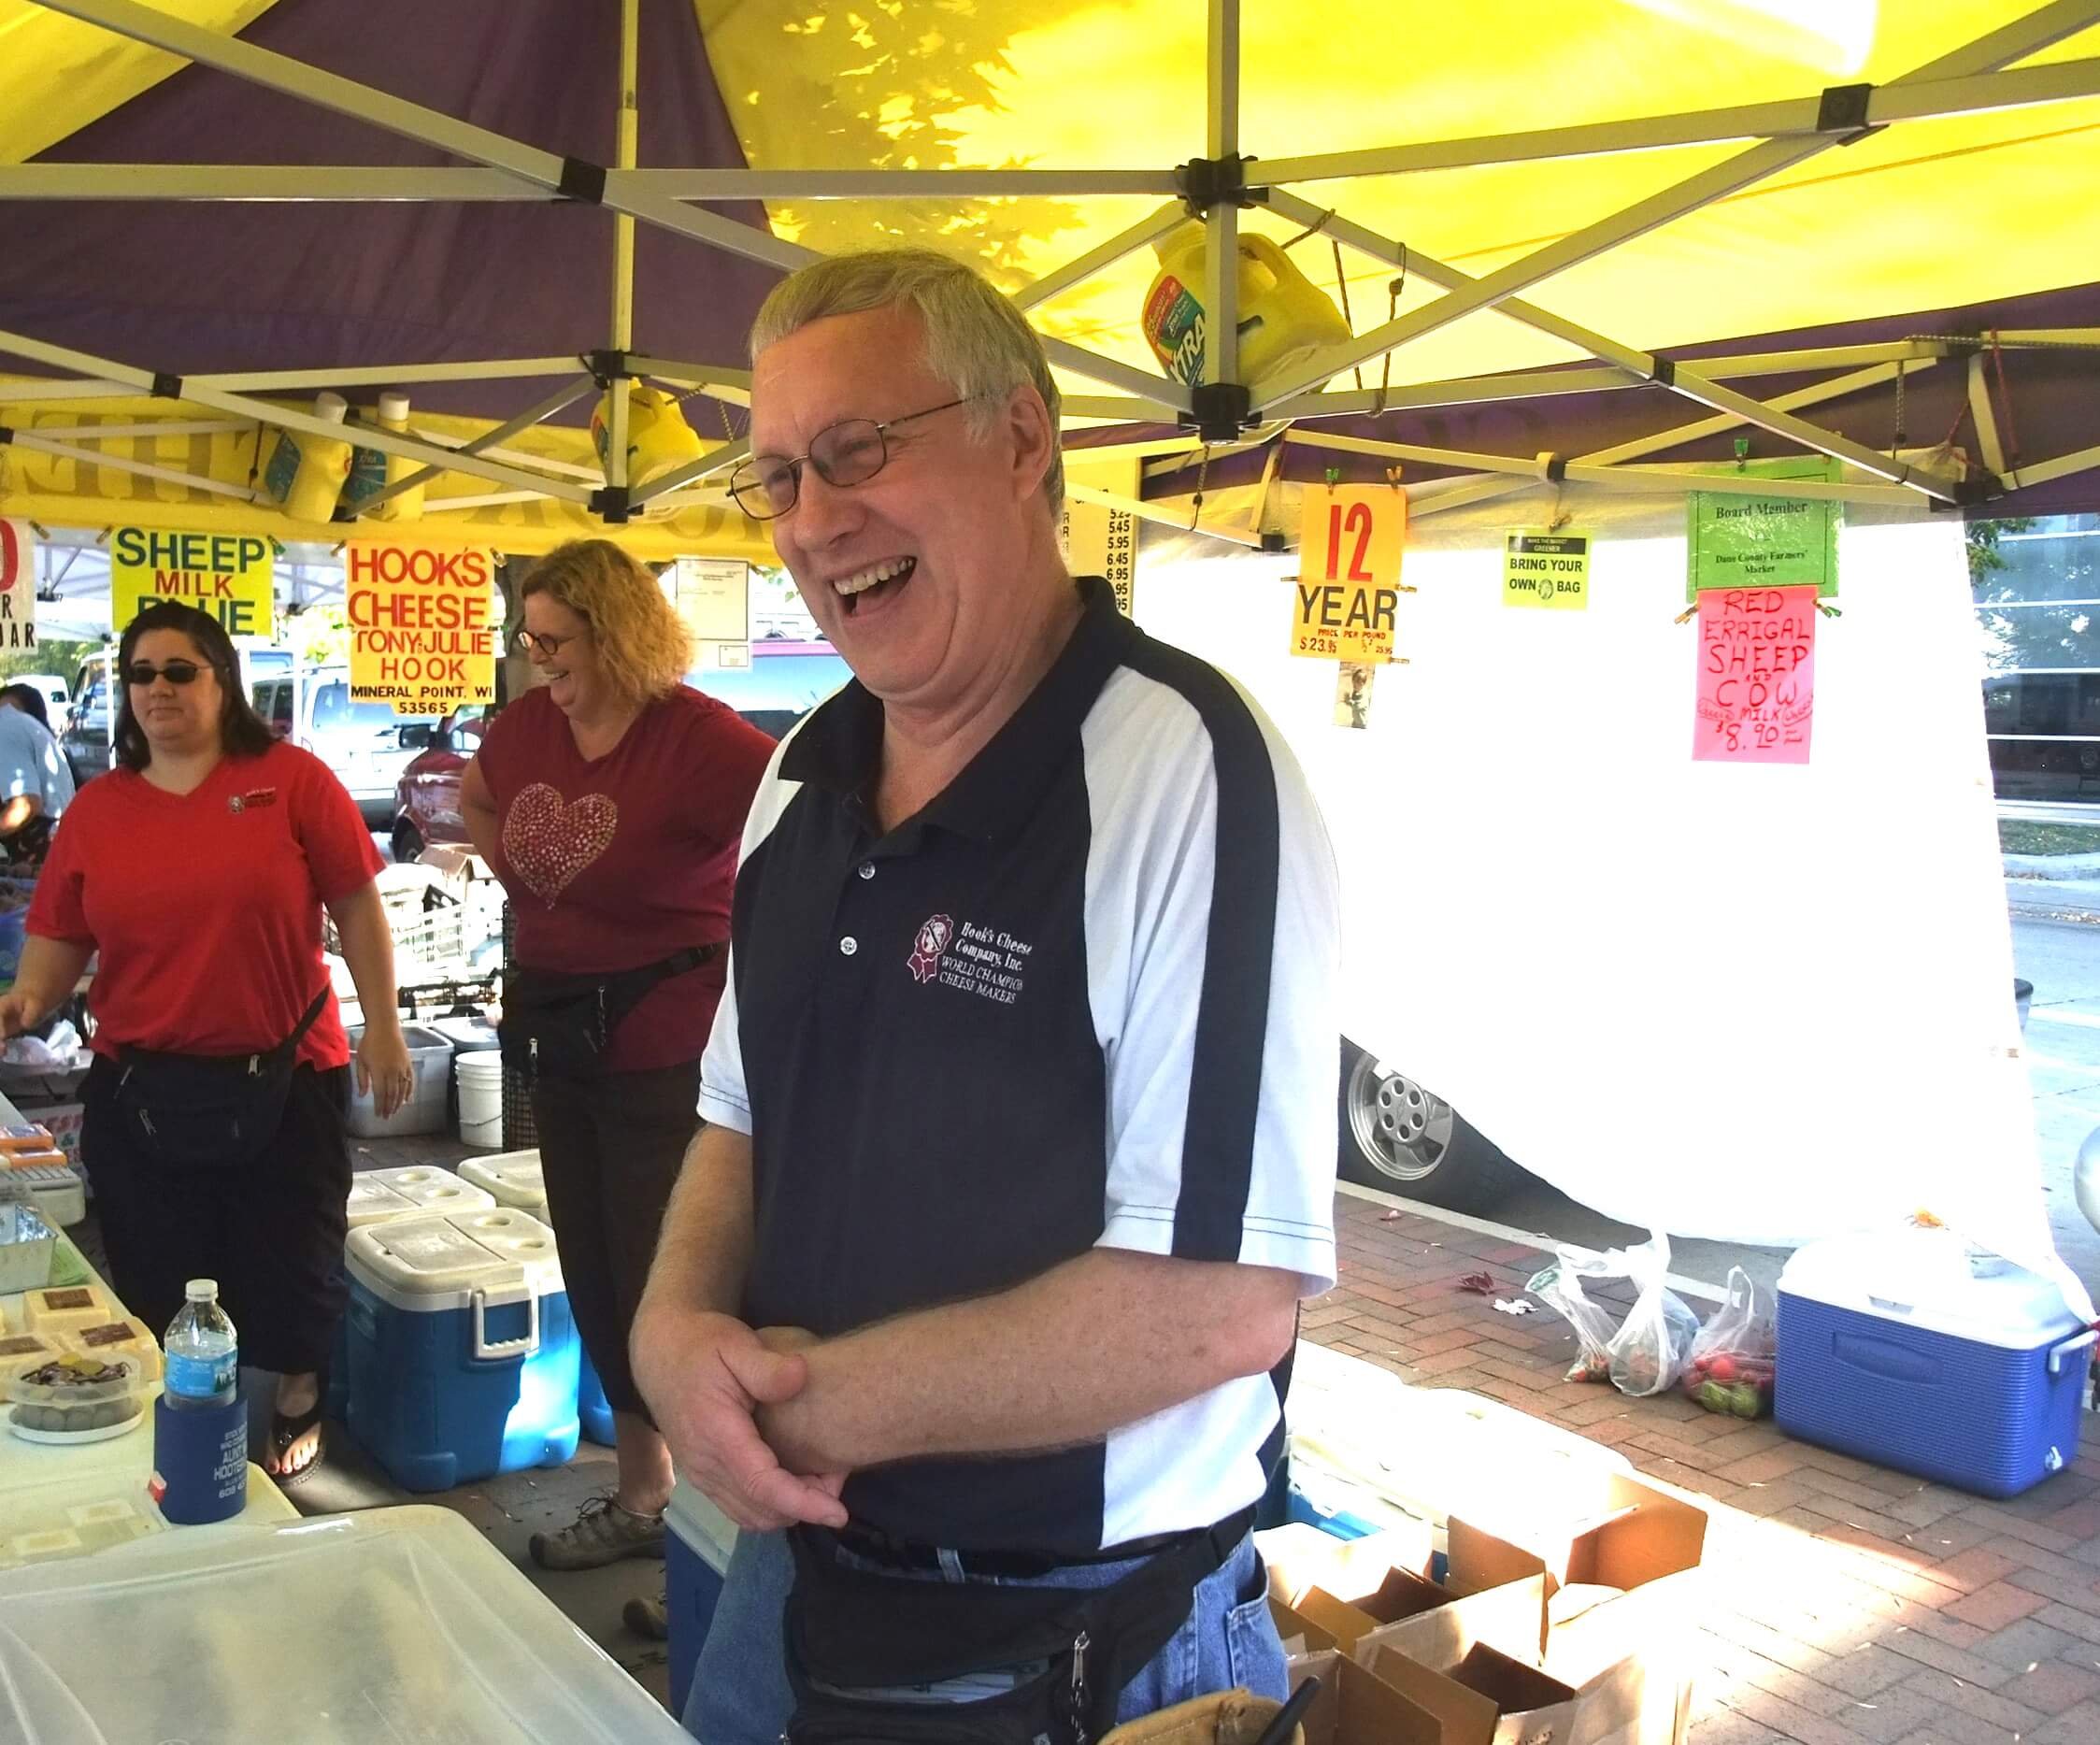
(177, 672)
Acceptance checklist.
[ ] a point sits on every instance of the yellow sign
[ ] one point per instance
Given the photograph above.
(1546, 569)
(229, 575)
(1101, 541)
(1348, 580)
(422, 627)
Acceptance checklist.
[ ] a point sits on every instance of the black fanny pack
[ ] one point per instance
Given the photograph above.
(858, 1641)
(208, 1109)
(563, 1025)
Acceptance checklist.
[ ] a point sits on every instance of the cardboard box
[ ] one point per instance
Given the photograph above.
(1300, 1636)
(1355, 1709)
(1301, 1557)
(1475, 1694)
(1629, 1538)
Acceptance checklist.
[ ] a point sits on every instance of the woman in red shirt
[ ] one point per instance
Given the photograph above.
(198, 869)
(609, 800)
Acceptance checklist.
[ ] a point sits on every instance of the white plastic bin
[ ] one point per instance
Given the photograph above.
(514, 1179)
(363, 1629)
(429, 1055)
(427, 1188)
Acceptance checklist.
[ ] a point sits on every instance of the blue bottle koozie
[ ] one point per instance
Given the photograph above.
(200, 1461)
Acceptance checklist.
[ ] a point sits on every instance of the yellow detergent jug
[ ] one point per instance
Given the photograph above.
(306, 474)
(658, 436)
(370, 471)
(1283, 316)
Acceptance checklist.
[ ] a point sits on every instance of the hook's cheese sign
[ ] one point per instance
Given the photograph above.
(422, 627)
(1348, 580)
(18, 586)
(229, 575)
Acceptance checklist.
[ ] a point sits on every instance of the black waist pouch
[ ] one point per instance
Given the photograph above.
(563, 1025)
(207, 1111)
(1072, 1651)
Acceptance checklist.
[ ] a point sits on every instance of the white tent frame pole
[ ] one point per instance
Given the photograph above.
(1815, 393)
(1935, 99)
(715, 461)
(1787, 118)
(691, 375)
(536, 414)
(383, 375)
(37, 388)
(1124, 242)
(2045, 472)
(2011, 42)
(284, 418)
(38, 444)
(116, 433)
(1683, 379)
(1987, 442)
(1154, 513)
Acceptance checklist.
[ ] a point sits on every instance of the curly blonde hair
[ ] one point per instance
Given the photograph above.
(643, 644)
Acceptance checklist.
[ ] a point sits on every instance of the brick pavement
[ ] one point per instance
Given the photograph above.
(1845, 1604)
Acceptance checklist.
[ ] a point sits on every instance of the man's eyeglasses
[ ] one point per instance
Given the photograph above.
(177, 672)
(849, 453)
(548, 646)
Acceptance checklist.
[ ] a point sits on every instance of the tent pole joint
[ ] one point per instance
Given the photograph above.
(1206, 182)
(1220, 411)
(607, 365)
(582, 180)
(166, 387)
(1844, 111)
(1662, 372)
(612, 504)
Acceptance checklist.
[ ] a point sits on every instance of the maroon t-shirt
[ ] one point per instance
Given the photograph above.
(615, 862)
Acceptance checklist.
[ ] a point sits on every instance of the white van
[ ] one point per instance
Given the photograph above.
(366, 744)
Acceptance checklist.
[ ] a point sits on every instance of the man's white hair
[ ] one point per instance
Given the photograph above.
(975, 340)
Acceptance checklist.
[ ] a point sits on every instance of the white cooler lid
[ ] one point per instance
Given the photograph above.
(1934, 1280)
(700, 1524)
(434, 1189)
(441, 1260)
(427, 1633)
(372, 1201)
(514, 1178)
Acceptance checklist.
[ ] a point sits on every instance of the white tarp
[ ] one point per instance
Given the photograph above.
(1754, 1003)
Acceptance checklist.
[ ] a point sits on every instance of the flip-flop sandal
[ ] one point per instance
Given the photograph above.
(284, 1431)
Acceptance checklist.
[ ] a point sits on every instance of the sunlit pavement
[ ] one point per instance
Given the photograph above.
(1842, 1602)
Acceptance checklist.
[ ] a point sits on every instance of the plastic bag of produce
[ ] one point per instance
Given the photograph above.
(1735, 1354)
(1649, 1353)
(1560, 1288)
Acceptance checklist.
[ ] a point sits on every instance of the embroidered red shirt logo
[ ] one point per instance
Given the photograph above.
(250, 801)
(931, 940)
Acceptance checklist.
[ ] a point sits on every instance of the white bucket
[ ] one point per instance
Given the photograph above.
(480, 1075)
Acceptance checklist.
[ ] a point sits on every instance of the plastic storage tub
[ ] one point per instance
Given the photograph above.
(511, 1178)
(431, 1058)
(463, 1355)
(363, 1629)
(429, 1189)
(1909, 1348)
(696, 1550)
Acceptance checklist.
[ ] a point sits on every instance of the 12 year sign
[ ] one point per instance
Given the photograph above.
(1757, 675)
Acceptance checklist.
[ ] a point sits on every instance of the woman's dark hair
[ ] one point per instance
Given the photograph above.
(242, 733)
(28, 699)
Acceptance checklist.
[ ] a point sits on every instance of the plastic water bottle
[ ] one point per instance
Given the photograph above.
(203, 1355)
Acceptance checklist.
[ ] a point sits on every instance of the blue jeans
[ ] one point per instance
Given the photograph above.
(740, 1693)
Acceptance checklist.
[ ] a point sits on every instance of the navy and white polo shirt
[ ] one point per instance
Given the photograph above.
(1085, 999)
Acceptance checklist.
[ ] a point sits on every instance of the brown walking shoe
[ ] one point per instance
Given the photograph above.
(603, 1534)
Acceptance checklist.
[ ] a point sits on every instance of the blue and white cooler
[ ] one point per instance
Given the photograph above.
(463, 1354)
(516, 1179)
(380, 1197)
(697, 1549)
(1914, 1350)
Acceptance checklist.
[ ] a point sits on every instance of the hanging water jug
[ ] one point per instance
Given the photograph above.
(371, 471)
(306, 474)
(1284, 318)
(658, 436)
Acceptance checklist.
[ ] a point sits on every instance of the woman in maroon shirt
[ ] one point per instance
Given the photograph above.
(609, 800)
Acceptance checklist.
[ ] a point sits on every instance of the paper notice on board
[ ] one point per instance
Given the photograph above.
(1757, 675)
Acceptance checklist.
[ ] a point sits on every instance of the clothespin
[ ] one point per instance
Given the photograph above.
(41, 531)
(1742, 451)
(1333, 476)
(276, 547)
(1689, 614)
(1829, 611)
(1393, 476)
(102, 538)
(334, 550)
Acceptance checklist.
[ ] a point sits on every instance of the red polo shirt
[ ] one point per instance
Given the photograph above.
(206, 907)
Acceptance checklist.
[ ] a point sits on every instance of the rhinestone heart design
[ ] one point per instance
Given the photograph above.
(550, 840)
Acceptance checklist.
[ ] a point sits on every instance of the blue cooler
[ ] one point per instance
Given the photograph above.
(515, 1178)
(463, 1357)
(379, 1197)
(1913, 1349)
(696, 1550)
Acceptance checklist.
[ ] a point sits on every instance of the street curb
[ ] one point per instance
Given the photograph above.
(2053, 866)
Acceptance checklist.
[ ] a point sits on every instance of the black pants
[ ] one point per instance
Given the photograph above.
(269, 1230)
(609, 1151)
